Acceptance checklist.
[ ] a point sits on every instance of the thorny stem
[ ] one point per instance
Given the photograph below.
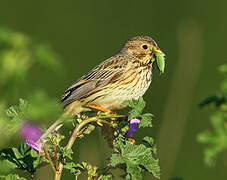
(75, 135)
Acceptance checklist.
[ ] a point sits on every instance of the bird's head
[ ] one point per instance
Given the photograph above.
(145, 49)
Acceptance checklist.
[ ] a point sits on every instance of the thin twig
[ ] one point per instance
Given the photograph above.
(56, 156)
(49, 158)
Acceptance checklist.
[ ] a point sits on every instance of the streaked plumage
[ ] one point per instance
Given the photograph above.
(124, 76)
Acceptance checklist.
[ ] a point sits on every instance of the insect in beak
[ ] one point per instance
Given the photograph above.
(159, 57)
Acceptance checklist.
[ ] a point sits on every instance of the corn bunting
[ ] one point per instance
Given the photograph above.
(125, 76)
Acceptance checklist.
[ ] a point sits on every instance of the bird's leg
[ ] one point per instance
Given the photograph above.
(99, 108)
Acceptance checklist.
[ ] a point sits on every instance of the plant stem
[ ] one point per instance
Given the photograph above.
(75, 135)
(71, 141)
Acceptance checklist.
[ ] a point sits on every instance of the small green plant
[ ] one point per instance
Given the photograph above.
(216, 139)
(132, 156)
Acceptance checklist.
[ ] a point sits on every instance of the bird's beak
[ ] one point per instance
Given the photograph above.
(160, 59)
(157, 50)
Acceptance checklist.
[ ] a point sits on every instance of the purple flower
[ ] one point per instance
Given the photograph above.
(132, 127)
(31, 133)
(33, 144)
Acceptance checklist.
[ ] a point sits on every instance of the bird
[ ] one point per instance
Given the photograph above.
(124, 76)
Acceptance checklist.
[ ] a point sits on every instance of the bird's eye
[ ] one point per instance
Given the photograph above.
(144, 46)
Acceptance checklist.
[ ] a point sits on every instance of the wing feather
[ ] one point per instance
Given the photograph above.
(107, 72)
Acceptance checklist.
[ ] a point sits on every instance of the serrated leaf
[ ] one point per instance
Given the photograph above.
(17, 113)
(151, 165)
(75, 169)
(134, 114)
(216, 139)
(137, 107)
(146, 120)
(24, 157)
(13, 156)
(91, 170)
(30, 157)
(149, 140)
(135, 156)
(134, 171)
(66, 153)
(136, 104)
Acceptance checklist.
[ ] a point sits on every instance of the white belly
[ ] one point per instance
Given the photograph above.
(112, 98)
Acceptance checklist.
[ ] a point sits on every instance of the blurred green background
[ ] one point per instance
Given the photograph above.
(84, 33)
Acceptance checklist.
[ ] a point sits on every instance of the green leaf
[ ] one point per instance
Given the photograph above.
(137, 107)
(135, 172)
(149, 140)
(146, 120)
(30, 157)
(6, 166)
(135, 156)
(24, 157)
(151, 165)
(13, 156)
(216, 139)
(91, 170)
(136, 104)
(66, 153)
(17, 113)
(75, 169)
(116, 160)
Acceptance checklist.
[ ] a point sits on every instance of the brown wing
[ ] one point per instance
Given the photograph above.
(107, 72)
